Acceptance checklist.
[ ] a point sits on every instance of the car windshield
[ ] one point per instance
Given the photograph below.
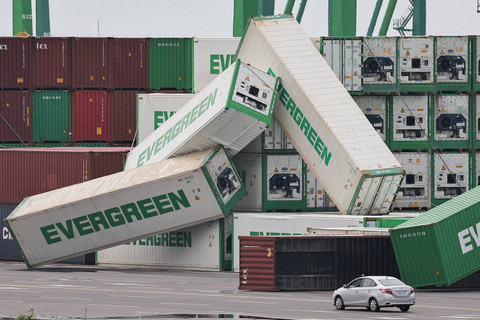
(391, 282)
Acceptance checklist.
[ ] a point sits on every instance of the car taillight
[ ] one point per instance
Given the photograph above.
(389, 291)
(412, 291)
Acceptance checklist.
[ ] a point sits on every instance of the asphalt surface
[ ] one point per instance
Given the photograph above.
(84, 292)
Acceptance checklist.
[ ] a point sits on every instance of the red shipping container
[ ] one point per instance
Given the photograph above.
(15, 63)
(52, 68)
(129, 63)
(16, 116)
(90, 63)
(90, 116)
(123, 113)
(28, 171)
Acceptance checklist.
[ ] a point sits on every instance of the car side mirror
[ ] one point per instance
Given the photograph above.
(345, 286)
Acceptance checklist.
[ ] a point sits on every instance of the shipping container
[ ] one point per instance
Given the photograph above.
(388, 222)
(129, 63)
(440, 247)
(415, 192)
(249, 167)
(476, 176)
(16, 63)
(409, 123)
(344, 56)
(321, 119)
(450, 123)
(90, 63)
(323, 262)
(375, 109)
(153, 109)
(316, 42)
(316, 196)
(126, 206)
(284, 224)
(212, 56)
(476, 101)
(476, 64)
(416, 64)
(450, 175)
(29, 171)
(276, 140)
(123, 107)
(52, 116)
(90, 116)
(452, 64)
(52, 63)
(379, 65)
(171, 64)
(16, 116)
(232, 110)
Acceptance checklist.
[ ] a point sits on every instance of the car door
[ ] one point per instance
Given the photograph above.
(365, 291)
(350, 295)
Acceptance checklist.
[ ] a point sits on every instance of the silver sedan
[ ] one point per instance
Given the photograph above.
(374, 292)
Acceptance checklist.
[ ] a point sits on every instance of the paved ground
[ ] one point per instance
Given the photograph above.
(60, 291)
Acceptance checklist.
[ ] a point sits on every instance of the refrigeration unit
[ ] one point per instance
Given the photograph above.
(379, 64)
(452, 63)
(451, 121)
(450, 176)
(375, 109)
(416, 64)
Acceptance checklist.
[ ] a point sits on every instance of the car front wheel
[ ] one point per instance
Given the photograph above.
(339, 303)
(373, 305)
(404, 308)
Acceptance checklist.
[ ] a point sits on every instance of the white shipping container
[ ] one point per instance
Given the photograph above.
(275, 224)
(451, 114)
(316, 196)
(316, 42)
(129, 205)
(450, 174)
(276, 139)
(410, 118)
(379, 60)
(284, 178)
(415, 189)
(350, 231)
(153, 109)
(375, 109)
(321, 119)
(452, 59)
(249, 167)
(212, 56)
(232, 111)
(195, 248)
(416, 60)
(344, 56)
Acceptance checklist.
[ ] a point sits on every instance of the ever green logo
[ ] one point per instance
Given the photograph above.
(159, 117)
(220, 62)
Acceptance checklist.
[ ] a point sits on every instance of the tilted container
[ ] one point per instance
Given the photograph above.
(128, 63)
(52, 63)
(90, 63)
(16, 63)
(16, 116)
(325, 125)
(126, 206)
(90, 116)
(52, 116)
(232, 110)
(379, 65)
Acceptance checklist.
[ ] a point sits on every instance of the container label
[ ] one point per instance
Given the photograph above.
(167, 239)
(220, 62)
(114, 217)
(3, 47)
(465, 237)
(160, 117)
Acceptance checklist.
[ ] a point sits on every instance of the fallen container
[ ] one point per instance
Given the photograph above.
(319, 116)
(126, 206)
(232, 111)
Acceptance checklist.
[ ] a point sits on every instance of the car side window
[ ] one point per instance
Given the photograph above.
(355, 283)
(368, 283)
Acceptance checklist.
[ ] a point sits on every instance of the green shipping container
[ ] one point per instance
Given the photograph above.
(384, 222)
(171, 64)
(442, 245)
(52, 116)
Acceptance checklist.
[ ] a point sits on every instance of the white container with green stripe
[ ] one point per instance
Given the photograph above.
(129, 205)
(319, 116)
(231, 111)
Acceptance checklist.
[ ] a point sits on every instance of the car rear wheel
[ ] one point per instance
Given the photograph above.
(404, 308)
(339, 303)
(373, 305)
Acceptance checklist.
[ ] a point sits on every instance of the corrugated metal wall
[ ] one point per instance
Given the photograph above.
(15, 63)
(15, 116)
(90, 116)
(90, 68)
(52, 116)
(123, 115)
(129, 63)
(52, 63)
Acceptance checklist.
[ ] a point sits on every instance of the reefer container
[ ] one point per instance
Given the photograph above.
(90, 116)
(232, 110)
(451, 121)
(52, 67)
(126, 206)
(316, 196)
(16, 116)
(379, 64)
(375, 109)
(276, 140)
(212, 56)
(90, 63)
(153, 109)
(52, 116)
(409, 122)
(123, 106)
(344, 56)
(325, 125)
(129, 63)
(452, 64)
(29, 171)
(416, 64)
(450, 175)
(323, 262)
(16, 63)
(249, 166)
(171, 64)
(414, 193)
(278, 223)
(440, 246)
